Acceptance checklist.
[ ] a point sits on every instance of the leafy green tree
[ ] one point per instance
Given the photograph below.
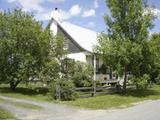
(24, 47)
(154, 44)
(125, 46)
(53, 66)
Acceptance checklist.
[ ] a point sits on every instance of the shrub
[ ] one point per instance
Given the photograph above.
(141, 82)
(83, 74)
(63, 89)
(80, 73)
(158, 79)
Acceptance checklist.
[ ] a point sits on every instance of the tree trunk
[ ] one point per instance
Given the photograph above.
(125, 79)
(13, 85)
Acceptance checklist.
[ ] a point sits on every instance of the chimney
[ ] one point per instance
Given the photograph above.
(55, 14)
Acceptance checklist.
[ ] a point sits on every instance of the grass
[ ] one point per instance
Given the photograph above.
(117, 100)
(5, 115)
(37, 94)
(101, 101)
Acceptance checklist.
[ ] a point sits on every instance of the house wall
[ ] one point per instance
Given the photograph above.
(69, 45)
(76, 53)
(78, 57)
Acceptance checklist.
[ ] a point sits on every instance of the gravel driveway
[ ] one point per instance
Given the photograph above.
(149, 110)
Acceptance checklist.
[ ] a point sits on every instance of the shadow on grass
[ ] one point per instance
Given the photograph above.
(131, 92)
(140, 93)
(25, 91)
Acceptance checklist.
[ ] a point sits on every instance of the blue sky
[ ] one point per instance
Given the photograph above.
(86, 13)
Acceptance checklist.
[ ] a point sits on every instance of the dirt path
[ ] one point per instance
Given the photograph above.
(50, 111)
(145, 111)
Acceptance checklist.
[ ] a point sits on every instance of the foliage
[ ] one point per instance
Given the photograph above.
(157, 79)
(80, 73)
(154, 45)
(72, 74)
(50, 71)
(141, 82)
(66, 89)
(24, 47)
(83, 75)
(28, 52)
(57, 47)
(125, 48)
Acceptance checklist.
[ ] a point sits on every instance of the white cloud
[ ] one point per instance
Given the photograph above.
(91, 24)
(42, 13)
(75, 10)
(36, 5)
(88, 13)
(29, 5)
(154, 11)
(96, 5)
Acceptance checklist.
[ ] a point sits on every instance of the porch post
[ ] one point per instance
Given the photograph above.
(94, 76)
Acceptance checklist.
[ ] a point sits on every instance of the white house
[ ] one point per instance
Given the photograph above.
(79, 42)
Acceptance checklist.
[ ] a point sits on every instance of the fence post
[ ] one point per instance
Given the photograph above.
(58, 92)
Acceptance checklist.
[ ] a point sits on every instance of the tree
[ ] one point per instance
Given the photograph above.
(24, 47)
(154, 45)
(53, 67)
(125, 46)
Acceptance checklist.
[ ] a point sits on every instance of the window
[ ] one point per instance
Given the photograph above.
(66, 44)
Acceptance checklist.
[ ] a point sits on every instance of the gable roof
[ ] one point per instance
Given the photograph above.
(85, 38)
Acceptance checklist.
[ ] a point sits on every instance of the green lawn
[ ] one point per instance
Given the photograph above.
(5, 115)
(117, 100)
(104, 101)
(38, 93)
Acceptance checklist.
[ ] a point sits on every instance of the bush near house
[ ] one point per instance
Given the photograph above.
(81, 74)
(63, 89)
(141, 82)
(73, 74)
(158, 79)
